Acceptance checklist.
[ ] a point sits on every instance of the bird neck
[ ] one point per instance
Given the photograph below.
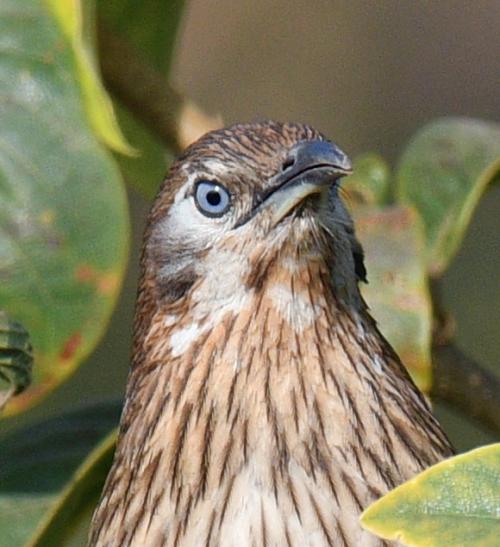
(267, 372)
(275, 400)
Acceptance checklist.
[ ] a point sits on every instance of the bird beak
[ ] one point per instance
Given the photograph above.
(311, 167)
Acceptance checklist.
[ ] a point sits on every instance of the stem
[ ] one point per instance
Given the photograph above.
(464, 384)
(175, 120)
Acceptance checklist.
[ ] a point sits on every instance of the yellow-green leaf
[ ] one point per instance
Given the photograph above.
(452, 504)
(76, 19)
(443, 173)
(397, 290)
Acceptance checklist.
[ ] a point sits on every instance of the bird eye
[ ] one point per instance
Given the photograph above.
(212, 199)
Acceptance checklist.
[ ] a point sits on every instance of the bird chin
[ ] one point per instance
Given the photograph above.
(309, 207)
(306, 209)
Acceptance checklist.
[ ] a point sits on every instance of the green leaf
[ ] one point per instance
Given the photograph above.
(16, 359)
(151, 28)
(37, 463)
(453, 503)
(370, 181)
(145, 171)
(77, 21)
(443, 173)
(397, 291)
(63, 211)
(78, 499)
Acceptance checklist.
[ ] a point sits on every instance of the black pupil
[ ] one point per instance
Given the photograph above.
(213, 198)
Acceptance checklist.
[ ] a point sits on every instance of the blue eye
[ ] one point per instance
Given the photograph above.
(212, 199)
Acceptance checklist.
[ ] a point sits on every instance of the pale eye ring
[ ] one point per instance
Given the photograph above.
(211, 198)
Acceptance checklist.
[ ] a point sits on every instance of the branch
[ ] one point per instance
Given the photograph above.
(465, 385)
(175, 120)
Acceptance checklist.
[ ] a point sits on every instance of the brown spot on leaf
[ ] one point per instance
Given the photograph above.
(107, 283)
(389, 277)
(85, 273)
(70, 347)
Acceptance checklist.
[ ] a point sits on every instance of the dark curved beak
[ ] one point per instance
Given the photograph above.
(308, 155)
(311, 167)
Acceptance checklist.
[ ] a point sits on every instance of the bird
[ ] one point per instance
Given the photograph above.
(263, 406)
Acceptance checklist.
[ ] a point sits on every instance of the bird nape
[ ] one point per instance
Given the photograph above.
(263, 406)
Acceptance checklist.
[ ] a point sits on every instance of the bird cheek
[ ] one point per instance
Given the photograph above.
(173, 289)
(173, 271)
(170, 262)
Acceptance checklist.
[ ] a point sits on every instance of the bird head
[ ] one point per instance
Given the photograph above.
(244, 197)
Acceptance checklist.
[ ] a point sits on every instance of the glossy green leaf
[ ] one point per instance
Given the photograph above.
(397, 291)
(453, 504)
(370, 181)
(63, 211)
(77, 21)
(37, 464)
(443, 173)
(16, 359)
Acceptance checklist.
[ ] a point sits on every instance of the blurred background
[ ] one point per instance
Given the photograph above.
(368, 75)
